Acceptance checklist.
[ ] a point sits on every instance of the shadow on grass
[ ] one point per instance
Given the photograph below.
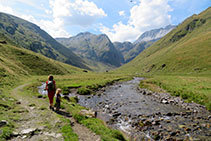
(63, 113)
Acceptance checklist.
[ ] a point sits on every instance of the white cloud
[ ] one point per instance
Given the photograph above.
(122, 13)
(54, 28)
(148, 14)
(49, 12)
(65, 13)
(79, 12)
(6, 9)
(120, 32)
(9, 10)
(29, 18)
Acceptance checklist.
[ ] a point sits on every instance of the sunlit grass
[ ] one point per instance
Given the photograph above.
(191, 88)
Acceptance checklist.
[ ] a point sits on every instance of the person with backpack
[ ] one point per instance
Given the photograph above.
(51, 88)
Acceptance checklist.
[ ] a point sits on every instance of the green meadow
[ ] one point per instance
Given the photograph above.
(190, 88)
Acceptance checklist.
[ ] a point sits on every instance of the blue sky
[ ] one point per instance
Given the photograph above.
(121, 20)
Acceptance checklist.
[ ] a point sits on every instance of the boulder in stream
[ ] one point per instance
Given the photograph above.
(88, 113)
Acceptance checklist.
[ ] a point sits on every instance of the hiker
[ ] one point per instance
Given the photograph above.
(58, 99)
(51, 88)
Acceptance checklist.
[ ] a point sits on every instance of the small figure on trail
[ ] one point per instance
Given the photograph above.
(58, 99)
(51, 88)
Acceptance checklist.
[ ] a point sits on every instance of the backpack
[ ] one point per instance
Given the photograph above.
(51, 86)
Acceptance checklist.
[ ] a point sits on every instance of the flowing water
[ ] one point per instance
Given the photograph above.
(123, 107)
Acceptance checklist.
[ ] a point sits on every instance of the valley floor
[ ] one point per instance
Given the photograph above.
(25, 115)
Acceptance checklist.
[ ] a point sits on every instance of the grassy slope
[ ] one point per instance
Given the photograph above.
(16, 66)
(16, 62)
(27, 35)
(188, 54)
(98, 66)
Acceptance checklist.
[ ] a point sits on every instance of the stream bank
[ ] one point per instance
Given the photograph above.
(146, 115)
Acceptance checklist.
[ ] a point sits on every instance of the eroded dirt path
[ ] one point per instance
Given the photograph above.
(37, 122)
(84, 134)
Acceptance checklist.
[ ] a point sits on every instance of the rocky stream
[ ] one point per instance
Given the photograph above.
(145, 115)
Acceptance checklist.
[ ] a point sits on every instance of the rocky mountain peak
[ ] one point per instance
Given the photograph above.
(154, 34)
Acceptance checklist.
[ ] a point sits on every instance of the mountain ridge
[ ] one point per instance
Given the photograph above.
(154, 34)
(94, 48)
(131, 50)
(178, 51)
(30, 36)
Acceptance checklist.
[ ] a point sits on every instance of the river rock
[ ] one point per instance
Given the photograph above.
(168, 138)
(164, 101)
(168, 121)
(24, 137)
(203, 125)
(53, 134)
(188, 112)
(149, 93)
(126, 118)
(187, 129)
(88, 113)
(171, 101)
(116, 115)
(28, 131)
(173, 133)
(197, 128)
(156, 122)
(156, 135)
(106, 106)
(15, 134)
(3, 122)
(147, 123)
(169, 114)
(111, 121)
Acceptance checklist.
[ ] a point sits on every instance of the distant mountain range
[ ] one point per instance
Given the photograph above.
(99, 48)
(186, 49)
(154, 35)
(85, 50)
(94, 48)
(27, 35)
(131, 50)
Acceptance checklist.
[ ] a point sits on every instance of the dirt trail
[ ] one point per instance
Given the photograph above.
(37, 122)
(84, 134)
